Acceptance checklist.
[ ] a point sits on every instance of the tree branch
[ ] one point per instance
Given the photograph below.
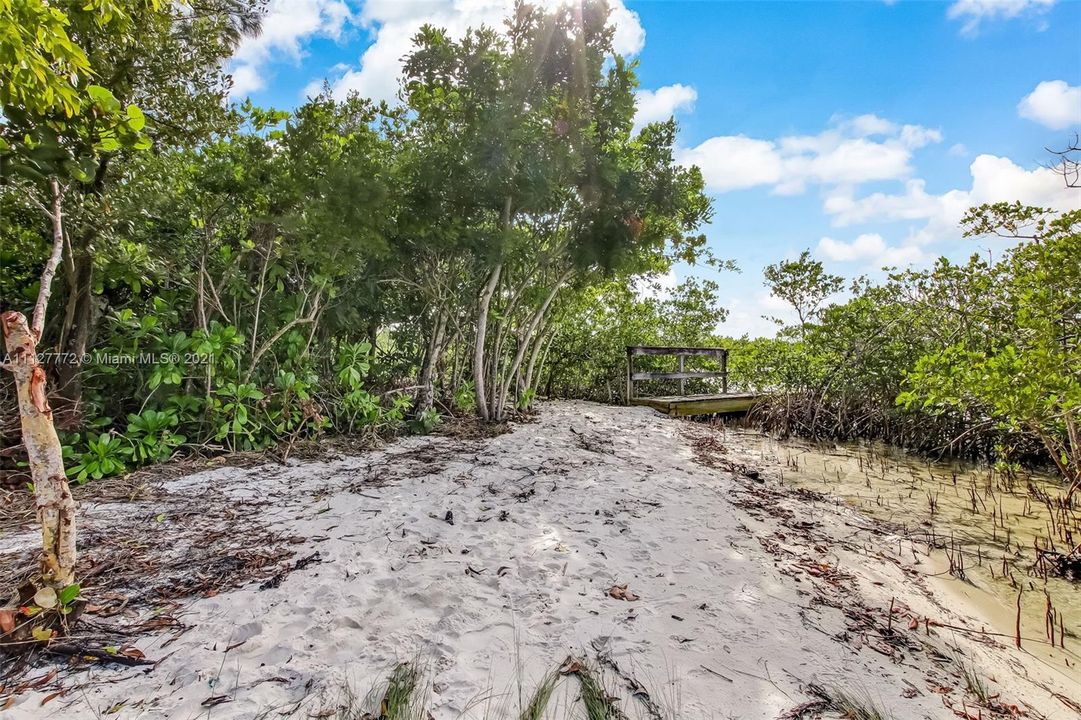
(37, 325)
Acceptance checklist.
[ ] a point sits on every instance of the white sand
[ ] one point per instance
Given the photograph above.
(594, 496)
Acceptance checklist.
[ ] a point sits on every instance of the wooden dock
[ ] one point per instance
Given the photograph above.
(683, 404)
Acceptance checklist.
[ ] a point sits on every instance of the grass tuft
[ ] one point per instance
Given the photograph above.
(848, 705)
(538, 703)
(404, 695)
(974, 682)
(400, 699)
(599, 705)
(853, 707)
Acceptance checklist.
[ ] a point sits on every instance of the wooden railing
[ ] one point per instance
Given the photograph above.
(721, 354)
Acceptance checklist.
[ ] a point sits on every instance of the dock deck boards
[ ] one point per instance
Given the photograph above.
(682, 405)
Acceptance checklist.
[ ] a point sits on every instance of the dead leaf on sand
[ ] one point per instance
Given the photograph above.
(7, 620)
(620, 592)
(571, 666)
(132, 652)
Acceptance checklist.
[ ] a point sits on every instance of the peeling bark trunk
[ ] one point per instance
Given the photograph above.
(55, 506)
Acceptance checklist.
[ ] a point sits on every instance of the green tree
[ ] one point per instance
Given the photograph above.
(1020, 360)
(155, 76)
(804, 284)
(532, 129)
(595, 324)
(55, 123)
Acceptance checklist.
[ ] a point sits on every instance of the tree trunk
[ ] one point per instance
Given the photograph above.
(500, 391)
(506, 316)
(75, 336)
(483, 305)
(55, 506)
(534, 371)
(426, 393)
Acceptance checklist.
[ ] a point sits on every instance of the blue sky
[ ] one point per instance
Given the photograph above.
(858, 130)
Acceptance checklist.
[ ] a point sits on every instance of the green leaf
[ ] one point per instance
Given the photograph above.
(69, 593)
(136, 119)
(103, 98)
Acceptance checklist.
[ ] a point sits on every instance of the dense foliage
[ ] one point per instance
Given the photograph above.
(979, 358)
(233, 277)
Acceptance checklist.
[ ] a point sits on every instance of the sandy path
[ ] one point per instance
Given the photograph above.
(746, 596)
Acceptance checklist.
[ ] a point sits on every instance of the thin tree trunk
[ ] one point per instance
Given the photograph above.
(426, 393)
(200, 292)
(75, 333)
(525, 381)
(45, 290)
(506, 316)
(311, 317)
(55, 506)
(259, 295)
(499, 398)
(535, 369)
(455, 371)
(543, 362)
(483, 305)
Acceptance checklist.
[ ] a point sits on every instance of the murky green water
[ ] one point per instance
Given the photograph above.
(986, 529)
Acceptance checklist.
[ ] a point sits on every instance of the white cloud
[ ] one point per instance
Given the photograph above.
(735, 162)
(843, 162)
(393, 24)
(958, 150)
(660, 104)
(994, 179)
(870, 124)
(973, 12)
(917, 136)
(870, 248)
(864, 149)
(914, 204)
(747, 315)
(630, 36)
(286, 27)
(246, 80)
(1054, 104)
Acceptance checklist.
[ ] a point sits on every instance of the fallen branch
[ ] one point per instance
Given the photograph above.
(119, 658)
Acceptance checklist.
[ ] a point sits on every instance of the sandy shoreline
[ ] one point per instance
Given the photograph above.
(750, 594)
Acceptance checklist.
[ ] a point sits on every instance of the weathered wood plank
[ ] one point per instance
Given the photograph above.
(700, 404)
(646, 350)
(687, 375)
(682, 375)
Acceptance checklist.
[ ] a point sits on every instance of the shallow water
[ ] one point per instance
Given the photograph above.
(985, 528)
